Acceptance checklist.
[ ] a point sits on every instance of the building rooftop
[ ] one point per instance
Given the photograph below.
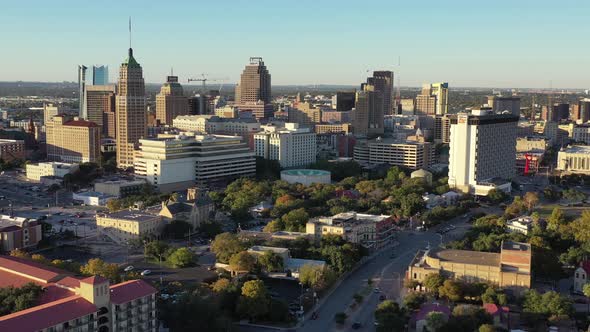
(583, 149)
(466, 256)
(130, 290)
(81, 123)
(32, 270)
(305, 172)
(352, 217)
(276, 250)
(519, 246)
(131, 215)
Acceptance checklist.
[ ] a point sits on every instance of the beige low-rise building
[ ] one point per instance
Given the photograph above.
(325, 128)
(574, 160)
(127, 225)
(49, 169)
(18, 233)
(511, 268)
(73, 141)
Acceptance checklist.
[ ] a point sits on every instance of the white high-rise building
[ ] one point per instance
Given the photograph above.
(482, 151)
(290, 145)
(179, 162)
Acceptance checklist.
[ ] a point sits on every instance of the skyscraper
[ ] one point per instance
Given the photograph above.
(368, 114)
(100, 99)
(583, 111)
(383, 82)
(434, 99)
(100, 75)
(82, 91)
(482, 151)
(131, 112)
(343, 101)
(254, 83)
(171, 101)
(500, 104)
(49, 111)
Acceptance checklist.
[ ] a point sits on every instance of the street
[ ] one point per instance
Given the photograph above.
(386, 272)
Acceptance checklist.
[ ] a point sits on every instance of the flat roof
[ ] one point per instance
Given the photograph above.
(132, 215)
(466, 257)
(577, 149)
(305, 172)
(277, 250)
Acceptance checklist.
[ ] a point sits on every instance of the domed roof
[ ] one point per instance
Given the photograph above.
(421, 173)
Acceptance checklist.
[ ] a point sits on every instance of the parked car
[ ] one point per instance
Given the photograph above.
(145, 272)
(356, 325)
(129, 268)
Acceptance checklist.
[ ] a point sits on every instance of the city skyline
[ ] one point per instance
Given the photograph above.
(306, 43)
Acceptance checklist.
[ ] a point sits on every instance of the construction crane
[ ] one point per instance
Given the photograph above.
(204, 80)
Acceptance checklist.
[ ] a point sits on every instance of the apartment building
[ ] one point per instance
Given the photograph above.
(18, 233)
(36, 172)
(482, 151)
(171, 102)
(581, 133)
(433, 100)
(371, 231)
(212, 124)
(100, 100)
(71, 303)
(305, 114)
(73, 141)
(290, 145)
(574, 160)
(531, 143)
(326, 128)
(509, 269)
(129, 224)
(11, 150)
(179, 162)
(120, 188)
(337, 116)
(414, 155)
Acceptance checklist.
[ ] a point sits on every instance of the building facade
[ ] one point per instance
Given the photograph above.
(434, 99)
(254, 83)
(290, 145)
(171, 102)
(181, 162)
(414, 155)
(368, 113)
(383, 82)
(509, 269)
(73, 141)
(50, 169)
(127, 225)
(78, 304)
(100, 99)
(11, 150)
(131, 124)
(49, 111)
(343, 101)
(482, 151)
(18, 233)
(100, 75)
(581, 133)
(305, 114)
(574, 160)
(501, 104)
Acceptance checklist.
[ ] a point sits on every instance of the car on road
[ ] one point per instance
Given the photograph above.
(382, 298)
(145, 272)
(376, 290)
(129, 268)
(356, 325)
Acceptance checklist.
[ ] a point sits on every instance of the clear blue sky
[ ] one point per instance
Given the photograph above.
(516, 43)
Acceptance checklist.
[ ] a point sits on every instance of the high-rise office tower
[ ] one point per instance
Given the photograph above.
(171, 101)
(49, 111)
(583, 111)
(254, 83)
(368, 114)
(434, 99)
(383, 82)
(100, 75)
(561, 111)
(500, 104)
(131, 111)
(82, 91)
(482, 151)
(100, 99)
(343, 101)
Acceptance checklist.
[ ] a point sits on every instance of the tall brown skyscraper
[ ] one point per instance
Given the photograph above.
(254, 83)
(131, 114)
(383, 83)
(368, 114)
(171, 101)
(100, 99)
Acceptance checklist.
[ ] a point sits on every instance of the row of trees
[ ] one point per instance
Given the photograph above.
(176, 257)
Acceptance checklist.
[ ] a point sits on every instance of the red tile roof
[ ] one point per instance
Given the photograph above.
(494, 309)
(130, 290)
(8, 279)
(94, 280)
(53, 293)
(47, 315)
(81, 123)
(32, 270)
(69, 282)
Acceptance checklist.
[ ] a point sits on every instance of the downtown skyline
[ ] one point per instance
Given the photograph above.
(533, 45)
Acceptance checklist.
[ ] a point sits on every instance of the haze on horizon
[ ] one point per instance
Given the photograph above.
(524, 44)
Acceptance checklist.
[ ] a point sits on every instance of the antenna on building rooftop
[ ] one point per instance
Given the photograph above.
(129, 31)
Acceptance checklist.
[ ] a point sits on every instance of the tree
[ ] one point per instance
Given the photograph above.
(271, 261)
(274, 226)
(389, 316)
(586, 291)
(496, 196)
(556, 219)
(435, 320)
(242, 261)
(210, 229)
(451, 290)
(15, 299)
(221, 285)
(411, 204)
(254, 301)
(549, 303)
(225, 246)
(414, 300)
(19, 253)
(156, 249)
(487, 328)
(531, 199)
(581, 227)
(492, 295)
(433, 282)
(98, 267)
(181, 257)
(316, 277)
(40, 259)
(467, 317)
(295, 220)
(114, 205)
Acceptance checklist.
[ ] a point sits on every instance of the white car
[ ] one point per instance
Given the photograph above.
(145, 272)
(129, 268)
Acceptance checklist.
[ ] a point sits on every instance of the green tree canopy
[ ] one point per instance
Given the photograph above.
(242, 261)
(226, 245)
(435, 320)
(254, 301)
(271, 261)
(452, 290)
(181, 257)
(390, 317)
(97, 266)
